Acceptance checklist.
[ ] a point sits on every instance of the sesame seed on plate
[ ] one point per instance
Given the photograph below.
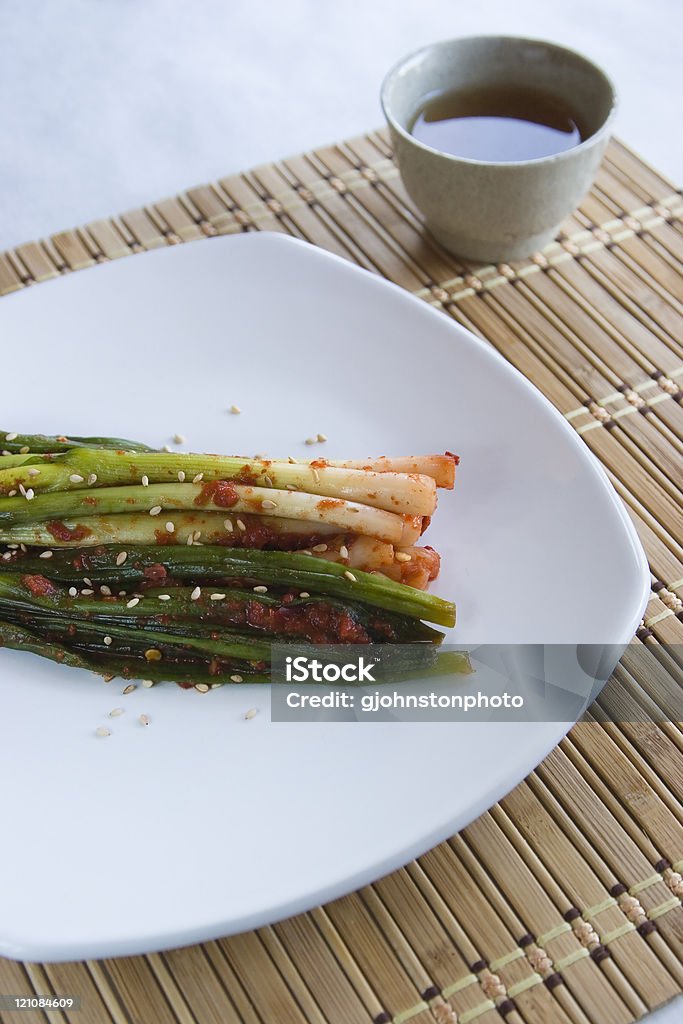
(198, 478)
(45, 554)
(215, 686)
(290, 458)
(322, 438)
(121, 557)
(236, 679)
(181, 476)
(202, 687)
(196, 594)
(76, 478)
(92, 479)
(147, 683)
(178, 439)
(144, 480)
(155, 510)
(133, 602)
(170, 528)
(128, 689)
(251, 713)
(310, 440)
(350, 576)
(261, 590)
(218, 597)
(234, 409)
(164, 597)
(115, 712)
(101, 730)
(144, 719)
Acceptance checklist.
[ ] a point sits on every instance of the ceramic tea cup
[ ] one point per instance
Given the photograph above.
(497, 211)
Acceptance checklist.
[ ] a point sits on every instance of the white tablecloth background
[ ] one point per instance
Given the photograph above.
(108, 104)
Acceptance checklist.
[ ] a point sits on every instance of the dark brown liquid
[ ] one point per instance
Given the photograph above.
(497, 124)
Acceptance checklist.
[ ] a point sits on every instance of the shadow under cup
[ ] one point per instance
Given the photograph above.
(490, 211)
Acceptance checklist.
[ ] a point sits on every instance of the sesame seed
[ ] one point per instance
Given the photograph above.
(181, 476)
(147, 683)
(240, 525)
(251, 713)
(166, 448)
(196, 535)
(218, 597)
(316, 474)
(33, 471)
(30, 494)
(102, 731)
(234, 409)
(7, 555)
(322, 438)
(155, 510)
(260, 455)
(350, 576)
(76, 478)
(104, 589)
(290, 458)
(11, 436)
(122, 593)
(145, 480)
(305, 551)
(202, 687)
(115, 712)
(304, 593)
(45, 554)
(290, 487)
(5, 452)
(189, 540)
(92, 479)
(178, 439)
(196, 594)
(227, 523)
(310, 440)
(215, 686)
(267, 480)
(72, 591)
(108, 641)
(152, 654)
(25, 450)
(87, 582)
(10, 494)
(170, 528)
(236, 679)
(403, 556)
(267, 503)
(22, 490)
(164, 597)
(121, 557)
(133, 601)
(261, 590)
(13, 546)
(198, 478)
(344, 551)
(23, 548)
(144, 719)
(87, 592)
(320, 547)
(128, 689)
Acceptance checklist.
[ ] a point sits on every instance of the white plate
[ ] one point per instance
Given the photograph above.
(203, 823)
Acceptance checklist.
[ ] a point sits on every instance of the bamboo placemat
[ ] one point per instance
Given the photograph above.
(563, 902)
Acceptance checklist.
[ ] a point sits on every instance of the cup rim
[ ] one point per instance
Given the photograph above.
(552, 157)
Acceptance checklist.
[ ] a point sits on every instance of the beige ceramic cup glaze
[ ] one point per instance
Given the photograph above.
(497, 211)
